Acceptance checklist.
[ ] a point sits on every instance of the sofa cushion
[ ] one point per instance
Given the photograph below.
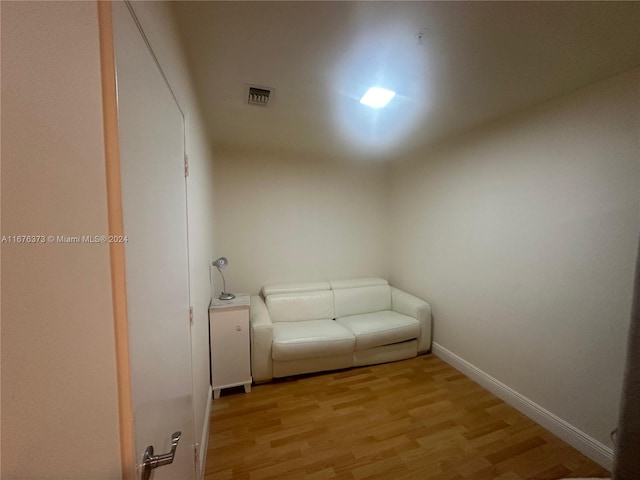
(358, 300)
(310, 339)
(294, 288)
(381, 328)
(295, 307)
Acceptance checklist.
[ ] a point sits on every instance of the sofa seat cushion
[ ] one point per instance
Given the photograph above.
(309, 339)
(381, 328)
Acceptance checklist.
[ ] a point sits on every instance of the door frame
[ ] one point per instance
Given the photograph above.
(116, 227)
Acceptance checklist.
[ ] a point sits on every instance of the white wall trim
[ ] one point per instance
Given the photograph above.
(589, 446)
(204, 441)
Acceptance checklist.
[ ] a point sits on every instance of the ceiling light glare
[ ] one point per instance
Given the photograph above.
(377, 97)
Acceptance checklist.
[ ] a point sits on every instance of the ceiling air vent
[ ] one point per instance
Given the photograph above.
(259, 96)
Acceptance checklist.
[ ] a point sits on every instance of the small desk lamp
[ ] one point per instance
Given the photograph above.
(220, 264)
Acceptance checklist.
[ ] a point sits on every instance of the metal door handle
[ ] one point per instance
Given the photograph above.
(152, 461)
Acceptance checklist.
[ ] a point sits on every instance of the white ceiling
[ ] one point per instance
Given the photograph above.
(477, 61)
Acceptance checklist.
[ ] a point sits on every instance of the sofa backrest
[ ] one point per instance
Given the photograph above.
(294, 288)
(294, 307)
(361, 295)
(323, 300)
(299, 301)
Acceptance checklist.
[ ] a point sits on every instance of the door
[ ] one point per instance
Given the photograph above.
(151, 132)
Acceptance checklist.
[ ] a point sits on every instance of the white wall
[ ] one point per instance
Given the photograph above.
(59, 400)
(285, 218)
(522, 236)
(158, 24)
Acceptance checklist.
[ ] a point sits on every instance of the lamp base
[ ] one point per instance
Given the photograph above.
(226, 296)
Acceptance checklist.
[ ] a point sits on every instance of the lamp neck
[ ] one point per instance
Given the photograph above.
(224, 284)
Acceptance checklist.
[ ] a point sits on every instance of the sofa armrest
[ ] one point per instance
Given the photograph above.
(407, 304)
(261, 339)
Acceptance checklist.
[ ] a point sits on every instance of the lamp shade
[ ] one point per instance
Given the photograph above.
(221, 262)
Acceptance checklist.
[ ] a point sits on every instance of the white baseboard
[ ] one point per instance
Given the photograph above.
(589, 446)
(204, 441)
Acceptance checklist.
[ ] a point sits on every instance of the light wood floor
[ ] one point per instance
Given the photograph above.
(415, 419)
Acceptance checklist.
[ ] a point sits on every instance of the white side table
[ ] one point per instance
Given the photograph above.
(230, 344)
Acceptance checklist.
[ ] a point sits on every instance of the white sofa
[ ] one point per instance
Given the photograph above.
(311, 327)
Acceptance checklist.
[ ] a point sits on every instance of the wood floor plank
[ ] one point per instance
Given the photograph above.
(415, 419)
